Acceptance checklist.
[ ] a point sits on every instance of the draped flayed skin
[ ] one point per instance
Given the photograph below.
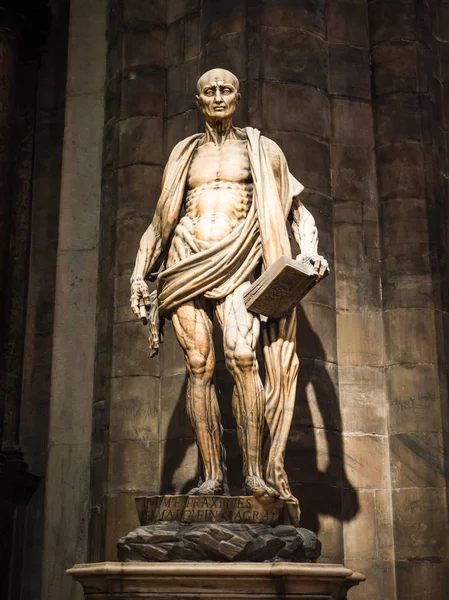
(217, 271)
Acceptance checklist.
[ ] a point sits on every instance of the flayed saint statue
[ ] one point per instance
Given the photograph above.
(227, 195)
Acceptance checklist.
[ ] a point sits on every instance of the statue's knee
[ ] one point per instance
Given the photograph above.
(243, 357)
(197, 365)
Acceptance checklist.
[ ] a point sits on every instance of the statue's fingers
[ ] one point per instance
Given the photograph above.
(134, 300)
(146, 295)
(323, 269)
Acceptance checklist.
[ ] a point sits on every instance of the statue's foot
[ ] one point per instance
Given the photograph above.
(211, 487)
(256, 486)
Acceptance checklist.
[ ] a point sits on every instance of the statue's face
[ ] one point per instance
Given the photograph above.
(218, 94)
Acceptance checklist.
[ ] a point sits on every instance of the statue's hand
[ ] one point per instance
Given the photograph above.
(319, 263)
(140, 298)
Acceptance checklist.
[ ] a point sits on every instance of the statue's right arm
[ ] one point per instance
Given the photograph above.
(149, 251)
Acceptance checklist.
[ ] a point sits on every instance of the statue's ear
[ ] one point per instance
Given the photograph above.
(197, 101)
(237, 99)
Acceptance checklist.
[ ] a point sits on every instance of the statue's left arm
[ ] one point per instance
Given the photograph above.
(306, 235)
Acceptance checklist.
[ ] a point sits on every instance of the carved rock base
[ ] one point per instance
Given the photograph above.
(223, 542)
(203, 581)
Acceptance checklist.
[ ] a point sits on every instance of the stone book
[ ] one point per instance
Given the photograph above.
(280, 287)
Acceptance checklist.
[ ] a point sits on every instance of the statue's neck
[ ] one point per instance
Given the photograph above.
(218, 132)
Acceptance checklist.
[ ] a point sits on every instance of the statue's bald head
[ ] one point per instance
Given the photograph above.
(218, 95)
(215, 75)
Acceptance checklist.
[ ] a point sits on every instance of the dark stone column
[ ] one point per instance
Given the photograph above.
(8, 62)
(416, 394)
(22, 30)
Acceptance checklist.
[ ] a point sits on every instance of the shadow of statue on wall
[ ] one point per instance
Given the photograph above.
(314, 457)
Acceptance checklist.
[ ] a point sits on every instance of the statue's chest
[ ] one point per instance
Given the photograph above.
(227, 163)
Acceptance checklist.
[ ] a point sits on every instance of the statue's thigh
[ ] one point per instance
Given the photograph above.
(192, 323)
(240, 327)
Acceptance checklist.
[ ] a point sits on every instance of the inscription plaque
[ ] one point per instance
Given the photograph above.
(209, 509)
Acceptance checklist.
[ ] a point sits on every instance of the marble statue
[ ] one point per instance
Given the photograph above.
(226, 197)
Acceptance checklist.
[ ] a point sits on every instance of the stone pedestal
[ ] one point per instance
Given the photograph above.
(132, 581)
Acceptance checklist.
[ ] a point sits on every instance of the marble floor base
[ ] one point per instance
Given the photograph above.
(217, 581)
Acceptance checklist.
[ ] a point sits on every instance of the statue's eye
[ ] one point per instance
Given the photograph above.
(227, 91)
(209, 92)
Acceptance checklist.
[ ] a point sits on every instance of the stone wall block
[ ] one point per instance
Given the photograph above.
(313, 456)
(353, 173)
(401, 171)
(66, 522)
(78, 229)
(144, 48)
(308, 159)
(420, 524)
(181, 126)
(131, 355)
(360, 338)
(307, 16)
(141, 141)
(112, 100)
(349, 71)
(109, 157)
(395, 68)
(86, 74)
(443, 54)
(365, 459)
(179, 464)
(406, 290)
(398, 117)
(294, 56)
(171, 354)
(358, 283)
(318, 339)
(87, 19)
(134, 409)
(122, 518)
(410, 336)
(348, 212)
(76, 298)
(113, 59)
(128, 232)
(384, 529)
(174, 421)
(413, 393)
(363, 401)
(356, 544)
(139, 187)
(174, 49)
(380, 579)
(417, 460)
(218, 19)
(227, 52)
(347, 22)
(442, 21)
(313, 114)
(411, 214)
(133, 466)
(422, 575)
(352, 122)
(181, 81)
(142, 14)
(390, 21)
(321, 511)
(142, 92)
(179, 8)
